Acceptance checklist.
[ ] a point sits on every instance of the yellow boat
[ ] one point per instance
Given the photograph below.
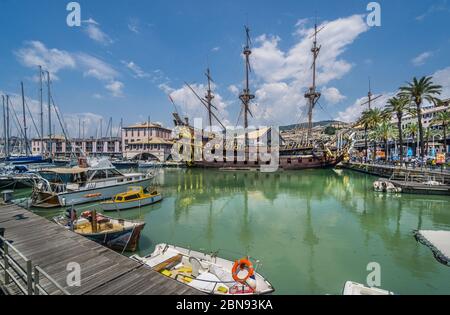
(135, 197)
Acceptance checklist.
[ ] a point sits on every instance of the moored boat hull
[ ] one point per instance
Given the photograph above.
(207, 273)
(48, 200)
(126, 240)
(117, 206)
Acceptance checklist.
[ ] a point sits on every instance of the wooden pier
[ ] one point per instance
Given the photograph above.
(37, 259)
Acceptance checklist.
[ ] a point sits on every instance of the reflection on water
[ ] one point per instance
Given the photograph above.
(312, 230)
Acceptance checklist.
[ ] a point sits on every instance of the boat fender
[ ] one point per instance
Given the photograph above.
(240, 265)
(251, 282)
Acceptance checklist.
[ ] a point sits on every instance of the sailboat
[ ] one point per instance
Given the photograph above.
(295, 155)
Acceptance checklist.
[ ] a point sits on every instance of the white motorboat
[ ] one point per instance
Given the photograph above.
(386, 187)
(353, 288)
(207, 272)
(338, 171)
(93, 180)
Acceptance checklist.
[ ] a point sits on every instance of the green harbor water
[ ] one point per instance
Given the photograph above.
(312, 230)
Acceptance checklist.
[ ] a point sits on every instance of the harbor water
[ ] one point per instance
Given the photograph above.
(312, 230)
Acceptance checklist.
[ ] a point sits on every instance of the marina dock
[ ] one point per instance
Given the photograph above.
(36, 261)
(400, 173)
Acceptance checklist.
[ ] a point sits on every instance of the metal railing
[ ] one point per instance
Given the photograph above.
(26, 277)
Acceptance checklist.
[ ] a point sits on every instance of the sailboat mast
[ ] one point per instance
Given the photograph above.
(370, 95)
(7, 127)
(24, 121)
(41, 109)
(148, 134)
(312, 95)
(5, 146)
(246, 96)
(50, 144)
(209, 97)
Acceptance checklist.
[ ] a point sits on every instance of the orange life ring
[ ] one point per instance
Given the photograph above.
(243, 264)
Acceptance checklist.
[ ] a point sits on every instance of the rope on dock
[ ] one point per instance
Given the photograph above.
(438, 242)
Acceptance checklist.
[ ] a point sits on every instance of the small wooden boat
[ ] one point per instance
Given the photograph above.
(118, 234)
(135, 197)
(353, 288)
(207, 272)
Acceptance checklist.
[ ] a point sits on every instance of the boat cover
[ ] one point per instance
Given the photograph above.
(72, 171)
(438, 242)
(206, 282)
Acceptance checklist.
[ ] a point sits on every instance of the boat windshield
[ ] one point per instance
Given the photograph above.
(64, 178)
(104, 174)
(131, 197)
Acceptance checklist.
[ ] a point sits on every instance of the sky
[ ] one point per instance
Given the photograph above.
(128, 56)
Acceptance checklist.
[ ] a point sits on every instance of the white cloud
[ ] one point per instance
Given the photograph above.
(438, 7)
(283, 76)
(94, 32)
(215, 49)
(70, 121)
(191, 106)
(96, 68)
(422, 58)
(233, 89)
(166, 88)
(353, 112)
(332, 95)
(278, 103)
(116, 88)
(35, 53)
(134, 26)
(442, 77)
(138, 73)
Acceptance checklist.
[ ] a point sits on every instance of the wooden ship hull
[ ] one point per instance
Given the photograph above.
(285, 163)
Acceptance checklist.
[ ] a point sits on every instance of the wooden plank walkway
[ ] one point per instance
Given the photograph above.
(103, 271)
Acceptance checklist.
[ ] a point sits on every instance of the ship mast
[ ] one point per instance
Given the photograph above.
(24, 121)
(246, 96)
(312, 95)
(370, 96)
(209, 97)
(41, 113)
(50, 144)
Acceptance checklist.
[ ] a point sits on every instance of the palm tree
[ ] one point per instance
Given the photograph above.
(398, 106)
(375, 116)
(385, 132)
(417, 91)
(365, 121)
(429, 134)
(442, 119)
(412, 131)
